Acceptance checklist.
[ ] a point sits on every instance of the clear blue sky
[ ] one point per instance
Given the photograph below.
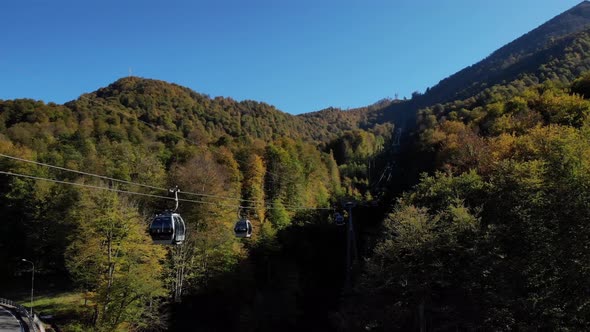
(300, 55)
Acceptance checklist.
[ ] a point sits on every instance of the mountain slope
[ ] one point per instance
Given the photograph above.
(557, 50)
(173, 107)
(522, 52)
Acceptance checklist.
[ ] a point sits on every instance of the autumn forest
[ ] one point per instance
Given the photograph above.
(471, 203)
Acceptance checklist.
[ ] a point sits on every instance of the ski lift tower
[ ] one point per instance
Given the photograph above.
(350, 242)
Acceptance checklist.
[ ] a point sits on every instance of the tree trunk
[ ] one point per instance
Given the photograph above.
(95, 316)
(421, 315)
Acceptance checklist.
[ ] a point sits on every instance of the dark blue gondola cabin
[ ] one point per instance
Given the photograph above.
(167, 228)
(243, 228)
(339, 219)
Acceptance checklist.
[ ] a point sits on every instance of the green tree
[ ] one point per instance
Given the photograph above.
(253, 170)
(278, 215)
(416, 278)
(112, 256)
(210, 248)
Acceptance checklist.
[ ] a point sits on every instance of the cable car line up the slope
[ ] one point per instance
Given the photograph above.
(168, 227)
(288, 207)
(158, 239)
(268, 207)
(114, 179)
(79, 172)
(107, 188)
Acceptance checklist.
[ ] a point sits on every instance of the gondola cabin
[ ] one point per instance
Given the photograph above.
(243, 228)
(339, 219)
(167, 228)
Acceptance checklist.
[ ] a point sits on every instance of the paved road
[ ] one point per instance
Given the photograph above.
(8, 323)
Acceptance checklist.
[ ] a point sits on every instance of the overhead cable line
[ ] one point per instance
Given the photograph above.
(81, 172)
(135, 183)
(119, 180)
(114, 190)
(148, 195)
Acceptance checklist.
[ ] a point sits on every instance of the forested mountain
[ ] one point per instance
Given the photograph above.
(494, 235)
(474, 216)
(338, 120)
(529, 54)
(66, 208)
(557, 50)
(235, 159)
(495, 238)
(172, 107)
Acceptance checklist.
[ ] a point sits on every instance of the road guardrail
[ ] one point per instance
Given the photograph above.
(23, 312)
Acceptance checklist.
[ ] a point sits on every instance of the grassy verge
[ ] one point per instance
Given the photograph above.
(67, 310)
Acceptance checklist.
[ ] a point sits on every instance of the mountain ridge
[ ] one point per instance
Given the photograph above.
(554, 50)
(574, 20)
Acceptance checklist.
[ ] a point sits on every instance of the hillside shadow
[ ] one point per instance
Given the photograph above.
(295, 286)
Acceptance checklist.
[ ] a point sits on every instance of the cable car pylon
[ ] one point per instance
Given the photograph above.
(350, 245)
